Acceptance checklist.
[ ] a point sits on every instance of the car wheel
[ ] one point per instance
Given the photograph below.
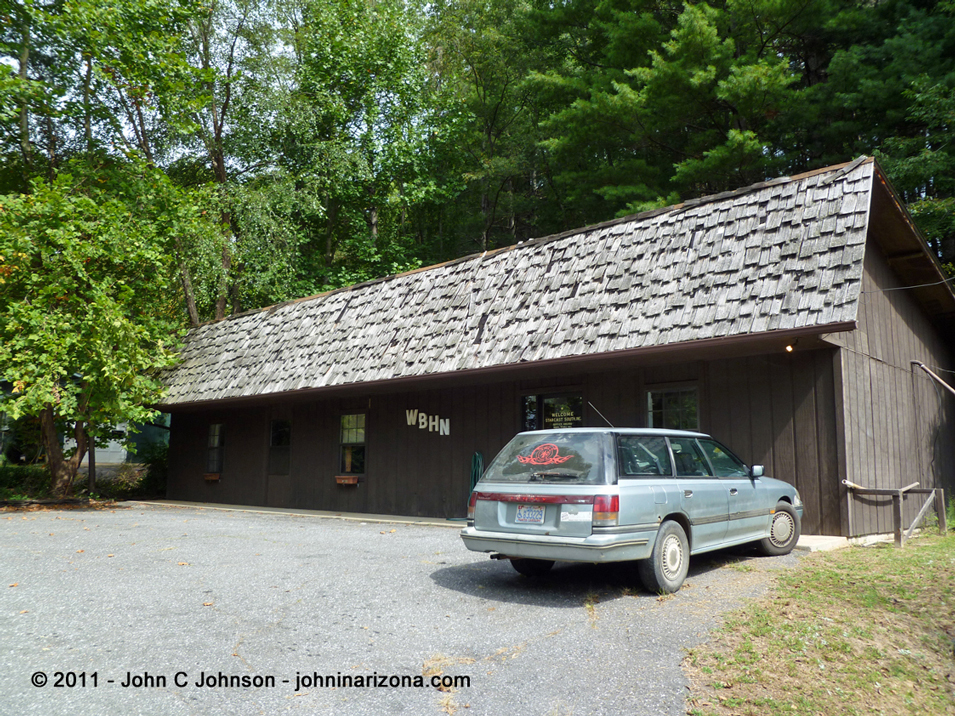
(669, 561)
(532, 567)
(783, 532)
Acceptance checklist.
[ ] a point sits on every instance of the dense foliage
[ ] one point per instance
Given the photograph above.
(350, 139)
(86, 320)
(222, 155)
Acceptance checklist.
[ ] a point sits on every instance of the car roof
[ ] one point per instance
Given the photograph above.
(622, 431)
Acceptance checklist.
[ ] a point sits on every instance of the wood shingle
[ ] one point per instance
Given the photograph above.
(778, 255)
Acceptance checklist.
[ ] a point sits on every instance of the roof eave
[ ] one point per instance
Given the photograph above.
(773, 342)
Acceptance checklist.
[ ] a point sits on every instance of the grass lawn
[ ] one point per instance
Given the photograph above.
(864, 630)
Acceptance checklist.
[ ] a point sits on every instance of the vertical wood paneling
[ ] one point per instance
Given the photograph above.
(884, 413)
(872, 520)
(807, 455)
(738, 399)
(458, 469)
(761, 414)
(245, 457)
(185, 455)
(631, 400)
(718, 395)
(784, 451)
(840, 393)
(468, 439)
(851, 396)
(707, 419)
(830, 487)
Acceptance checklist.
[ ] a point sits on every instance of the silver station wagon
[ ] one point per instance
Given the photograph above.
(613, 495)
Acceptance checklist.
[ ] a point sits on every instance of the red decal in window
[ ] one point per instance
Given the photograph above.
(544, 455)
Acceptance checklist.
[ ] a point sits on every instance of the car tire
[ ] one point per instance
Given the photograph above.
(784, 531)
(669, 561)
(532, 567)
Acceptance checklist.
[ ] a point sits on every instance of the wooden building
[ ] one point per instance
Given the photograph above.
(781, 318)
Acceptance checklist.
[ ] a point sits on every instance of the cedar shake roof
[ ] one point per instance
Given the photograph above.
(784, 254)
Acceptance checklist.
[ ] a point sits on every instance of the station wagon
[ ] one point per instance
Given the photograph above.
(614, 495)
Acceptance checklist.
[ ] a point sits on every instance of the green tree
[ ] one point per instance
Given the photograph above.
(483, 54)
(922, 166)
(355, 135)
(85, 315)
(602, 158)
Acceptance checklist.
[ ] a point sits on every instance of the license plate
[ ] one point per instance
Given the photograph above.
(530, 514)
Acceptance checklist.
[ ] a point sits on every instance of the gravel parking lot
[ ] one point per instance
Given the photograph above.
(168, 598)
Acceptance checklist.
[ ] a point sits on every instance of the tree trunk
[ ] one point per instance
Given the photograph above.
(187, 288)
(331, 217)
(62, 471)
(223, 296)
(51, 148)
(371, 217)
(485, 214)
(87, 107)
(373, 225)
(25, 147)
(511, 218)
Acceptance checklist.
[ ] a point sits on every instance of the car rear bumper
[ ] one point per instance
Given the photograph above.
(595, 548)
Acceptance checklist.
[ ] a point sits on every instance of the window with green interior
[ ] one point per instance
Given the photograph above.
(352, 442)
(673, 408)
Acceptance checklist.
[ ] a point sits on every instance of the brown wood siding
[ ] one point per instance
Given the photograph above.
(245, 457)
(780, 411)
(777, 410)
(409, 470)
(895, 419)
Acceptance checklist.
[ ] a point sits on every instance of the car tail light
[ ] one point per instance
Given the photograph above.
(471, 504)
(606, 510)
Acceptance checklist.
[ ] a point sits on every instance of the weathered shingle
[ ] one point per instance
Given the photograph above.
(784, 254)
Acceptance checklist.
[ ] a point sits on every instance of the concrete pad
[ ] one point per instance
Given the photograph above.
(821, 543)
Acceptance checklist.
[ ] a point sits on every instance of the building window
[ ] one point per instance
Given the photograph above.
(673, 409)
(215, 447)
(280, 446)
(353, 444)
(551, 412)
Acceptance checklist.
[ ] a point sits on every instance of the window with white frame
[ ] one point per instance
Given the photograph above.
(673, 408)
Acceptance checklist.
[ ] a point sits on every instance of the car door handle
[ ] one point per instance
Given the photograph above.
(688, 493)
(734, 491)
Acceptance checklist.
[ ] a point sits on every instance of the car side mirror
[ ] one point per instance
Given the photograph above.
(756, 471)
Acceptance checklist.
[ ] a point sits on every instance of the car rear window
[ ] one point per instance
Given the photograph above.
(555, 458)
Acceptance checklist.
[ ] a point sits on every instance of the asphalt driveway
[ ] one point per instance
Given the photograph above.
(219, 612)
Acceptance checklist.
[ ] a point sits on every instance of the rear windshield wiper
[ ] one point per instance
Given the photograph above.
(561, 475)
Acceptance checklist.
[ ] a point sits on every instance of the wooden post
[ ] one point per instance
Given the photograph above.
(918, 518)
(940, 511)
(897, 519)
